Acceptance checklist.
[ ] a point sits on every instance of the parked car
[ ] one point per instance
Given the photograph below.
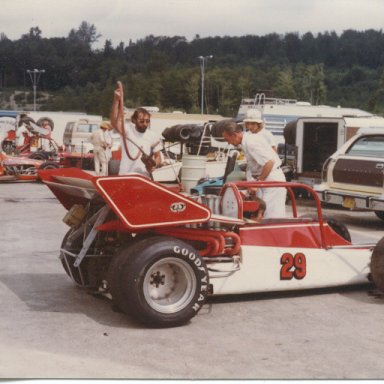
(18, 168)
(77, 135)
(353, 177)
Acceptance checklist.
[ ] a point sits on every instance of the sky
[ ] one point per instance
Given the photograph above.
(125, 20)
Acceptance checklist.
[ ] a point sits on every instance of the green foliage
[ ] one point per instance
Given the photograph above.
(164, 71)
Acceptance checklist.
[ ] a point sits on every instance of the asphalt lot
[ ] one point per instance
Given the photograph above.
(52, 329)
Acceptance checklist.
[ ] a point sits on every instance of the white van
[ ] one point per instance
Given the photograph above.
(77, 135)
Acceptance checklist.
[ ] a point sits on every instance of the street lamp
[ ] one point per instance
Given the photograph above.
(35, 77)
(203, 61)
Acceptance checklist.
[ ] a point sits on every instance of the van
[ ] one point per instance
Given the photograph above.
(77, 135)
(310, 141)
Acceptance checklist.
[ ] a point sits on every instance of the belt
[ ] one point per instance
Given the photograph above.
(256, 175)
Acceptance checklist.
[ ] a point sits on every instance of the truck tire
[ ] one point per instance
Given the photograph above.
(161, 281)
(380, 214)
(377, 265)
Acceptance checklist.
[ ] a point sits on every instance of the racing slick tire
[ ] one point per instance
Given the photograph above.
(49, 165)
(336, 225)
(161, 281)
(8, 147)
(339, 228)
(380, 214)
(38, 156)
(67, 262)
(377, 265)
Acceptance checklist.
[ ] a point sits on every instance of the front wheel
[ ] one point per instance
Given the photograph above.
(336, 225)
(380, 214)
(161, 281)
(377, 265)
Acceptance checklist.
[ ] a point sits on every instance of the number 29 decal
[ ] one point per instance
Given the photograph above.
(293, 266)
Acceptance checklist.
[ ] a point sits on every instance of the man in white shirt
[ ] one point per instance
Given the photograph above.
(263, 164)
(140, 151)
(101, 141)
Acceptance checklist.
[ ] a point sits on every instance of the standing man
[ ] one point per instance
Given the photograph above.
(263, 164)
(254, 124)
(101, 141)
(140, 152)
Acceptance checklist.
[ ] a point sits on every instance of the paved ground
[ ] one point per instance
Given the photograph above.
(52, 329)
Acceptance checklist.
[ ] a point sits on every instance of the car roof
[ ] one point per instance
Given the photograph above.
(371, 130)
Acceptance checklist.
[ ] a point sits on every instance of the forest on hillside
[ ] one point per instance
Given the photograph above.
(325, 68)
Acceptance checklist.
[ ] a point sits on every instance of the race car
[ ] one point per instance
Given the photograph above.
(159, 253)
(21, 169)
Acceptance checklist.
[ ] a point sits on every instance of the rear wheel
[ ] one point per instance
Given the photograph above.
(336, 225)
(161, 281)
(339, 228)
(377, 265)
(38, 156)
(67, 260)
(49, 165)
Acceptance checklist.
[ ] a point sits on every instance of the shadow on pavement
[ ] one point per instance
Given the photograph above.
(56, 293)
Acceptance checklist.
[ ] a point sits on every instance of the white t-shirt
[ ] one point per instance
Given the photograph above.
(258, 151)
(268, 135)
(148, 141)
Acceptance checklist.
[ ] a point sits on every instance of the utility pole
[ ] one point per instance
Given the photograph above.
(203, 61)
(35, 77)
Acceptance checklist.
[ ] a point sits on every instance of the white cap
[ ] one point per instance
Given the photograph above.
(253, 116)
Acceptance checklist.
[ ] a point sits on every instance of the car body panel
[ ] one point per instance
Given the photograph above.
(268, 269)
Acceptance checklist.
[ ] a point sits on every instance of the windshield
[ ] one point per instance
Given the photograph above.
(369, 146)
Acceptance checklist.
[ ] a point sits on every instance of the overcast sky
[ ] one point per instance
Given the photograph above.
(122, 20)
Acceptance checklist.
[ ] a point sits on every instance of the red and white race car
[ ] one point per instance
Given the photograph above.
(21, 169)
(159, 253)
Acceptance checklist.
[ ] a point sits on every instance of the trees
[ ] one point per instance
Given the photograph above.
(164, 71)
(86, 33)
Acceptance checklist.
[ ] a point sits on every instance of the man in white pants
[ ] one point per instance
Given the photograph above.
(102, 141)
(263, 164)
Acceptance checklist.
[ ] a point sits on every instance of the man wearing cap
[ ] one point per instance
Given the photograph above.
(254, 124)
(101, 141)
(263, 164)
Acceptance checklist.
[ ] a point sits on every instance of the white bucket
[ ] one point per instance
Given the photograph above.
(193, 169)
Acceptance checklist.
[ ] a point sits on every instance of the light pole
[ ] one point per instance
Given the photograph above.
(35, 77)
(203, 61)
